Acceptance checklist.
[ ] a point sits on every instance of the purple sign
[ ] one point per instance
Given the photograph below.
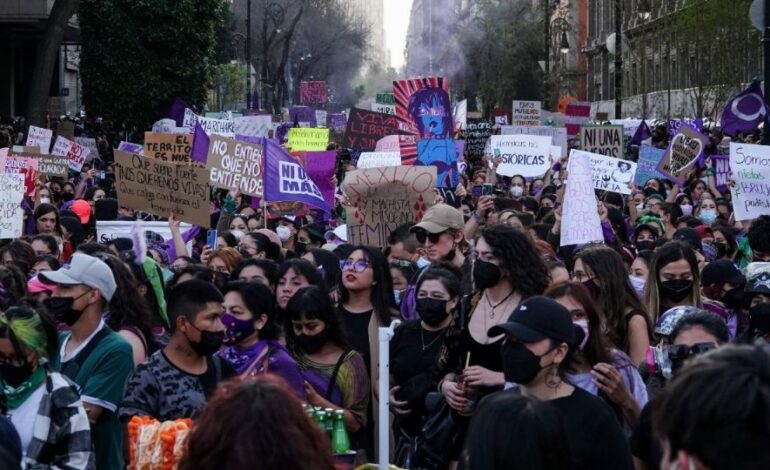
(336, 122)
(721, 166)
(675, 124)
(302, 114)
(286, 180)
(320, 168)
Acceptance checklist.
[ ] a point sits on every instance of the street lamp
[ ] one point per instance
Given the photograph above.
(644, 10)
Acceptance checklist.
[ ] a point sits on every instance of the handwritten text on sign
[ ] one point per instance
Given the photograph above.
(751, 172)
(39, 137)
(12, 190)
(610, 174)
(525, 155)
(580, 217)
(385, 198)
(558, 134)
(154, 186)
(168, 147)
(76, 154)
(606, 140)
(685, 149)
(526, 113)
(236, 165)
(308, 139)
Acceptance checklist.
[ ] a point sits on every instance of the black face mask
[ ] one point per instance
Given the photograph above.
(66, 197)
(300, 248)
(759, 316)
(61, 308)
(209, 344)
(432, 311)
(676, 290)
(312, 344)
(649, 192)
(221, 279)
(14, 375)
(722, 250)
(733, 299)
(485, 274)
(645, 245)
(520, 365)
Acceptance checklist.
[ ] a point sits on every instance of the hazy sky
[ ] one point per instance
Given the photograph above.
(396, 25)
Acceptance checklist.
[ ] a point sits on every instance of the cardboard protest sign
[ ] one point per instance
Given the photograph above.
(254, 126)
(12, 191)
(647, 165)
(39, 137)
(168, 147)
(384, 198)
(162, 188)
(26, 167)
(411, 106)
(35, 150)
(721, 166)
(107, 230)
(477, 132)
(604, 140)
(379, 159)
(685, 149)
(51, 165)
(580, 217)
(384, 108)
(609, 174)
(751, 173)
(365, 128)
(526, 113)
(442, 154)
(236, 165)
(307, 139)
(316, 92)
(525, 155)
(558, 134)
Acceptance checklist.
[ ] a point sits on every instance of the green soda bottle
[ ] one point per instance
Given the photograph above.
(329, 421)
(320, 417)
(340, 440)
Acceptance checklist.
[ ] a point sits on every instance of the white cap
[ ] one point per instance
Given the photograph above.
(340, 233)
(86, 270)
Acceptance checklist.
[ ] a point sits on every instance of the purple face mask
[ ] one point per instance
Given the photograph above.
(236, 330)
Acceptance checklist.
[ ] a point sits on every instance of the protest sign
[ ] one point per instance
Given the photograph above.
(675, 124)
(526, 113)
(751, 173)
(66, 129)
(320, 117)
(435, 97)
(235, 165)
(286, 180)
(320, 168)
(12, 191)
(316, 92)
(580, 218)
(161, 188)
(76, 154)
(558, 134)
(168, 147)
(39, 137)
(460, 115)
(253, 126)
(26, 167)
(609, 174)
(685, 149)
(525, 155)
(605, 140)
(107, 230)
(365, 128)
(647, 165)
(721, 166)
(384, 198)
(130, 147)
(476, 134)
(385, 98)
(90, 144)
(209, 125)
(304, 115)
(441, 153)
(576, 114)
(34, 150)
(51, 165)
(336, 122)
(379, 159)
(307, 139)
(384, 108)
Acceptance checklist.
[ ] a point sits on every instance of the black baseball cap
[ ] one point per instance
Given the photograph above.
(721, 271)
(538, 318)
(689, 236)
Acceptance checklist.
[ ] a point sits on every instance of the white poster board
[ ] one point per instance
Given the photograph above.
(580, 217)
(253, 126)
(11, 214)
(558, 134)
(751, 172)
(610, 174)
(107, 230)
(526, 113)
(378, 159)
(39, 137)
(525, 155)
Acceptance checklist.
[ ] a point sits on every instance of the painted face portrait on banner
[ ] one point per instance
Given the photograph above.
(432, 113)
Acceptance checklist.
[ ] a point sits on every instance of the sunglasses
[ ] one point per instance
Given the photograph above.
(358, 266)
(423, 235)
(679, 352)
(402, 263)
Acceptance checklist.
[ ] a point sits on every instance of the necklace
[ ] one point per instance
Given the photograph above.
(492, 308)
(422, 338)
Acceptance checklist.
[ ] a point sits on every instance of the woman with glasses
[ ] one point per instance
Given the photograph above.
(624, 321)
(257, 245)
(45, 406)
(222, 261)
(506, 271)
(366, 303)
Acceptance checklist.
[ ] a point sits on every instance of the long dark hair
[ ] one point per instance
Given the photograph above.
(301, 267)
(223, 439)
(616, 292)
(44, 209)
(518, 257)
(331, 267)
(536, 435)
(381, 294)
(671, 252)
(268, 266)
(128, 307)
(259, 299)
(314, 302)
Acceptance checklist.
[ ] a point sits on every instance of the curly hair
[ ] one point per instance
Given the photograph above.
(518, 258)
(229, 255)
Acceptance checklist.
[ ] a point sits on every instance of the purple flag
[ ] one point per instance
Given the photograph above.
(286, 180)
(200, 146)
(176, 112)
(745, 111)
(320, 168)
(642, 133)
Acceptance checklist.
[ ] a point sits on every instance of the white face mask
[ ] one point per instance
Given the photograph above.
(639, 207)
(686, 209)
(284, 232)
(517, 191)
(638, 284)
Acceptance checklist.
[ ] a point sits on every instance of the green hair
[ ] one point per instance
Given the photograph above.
(28, 330)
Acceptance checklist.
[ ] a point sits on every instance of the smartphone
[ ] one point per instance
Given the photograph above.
(476, 191)
(487, 189)
(211, 238)
(102, 175)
